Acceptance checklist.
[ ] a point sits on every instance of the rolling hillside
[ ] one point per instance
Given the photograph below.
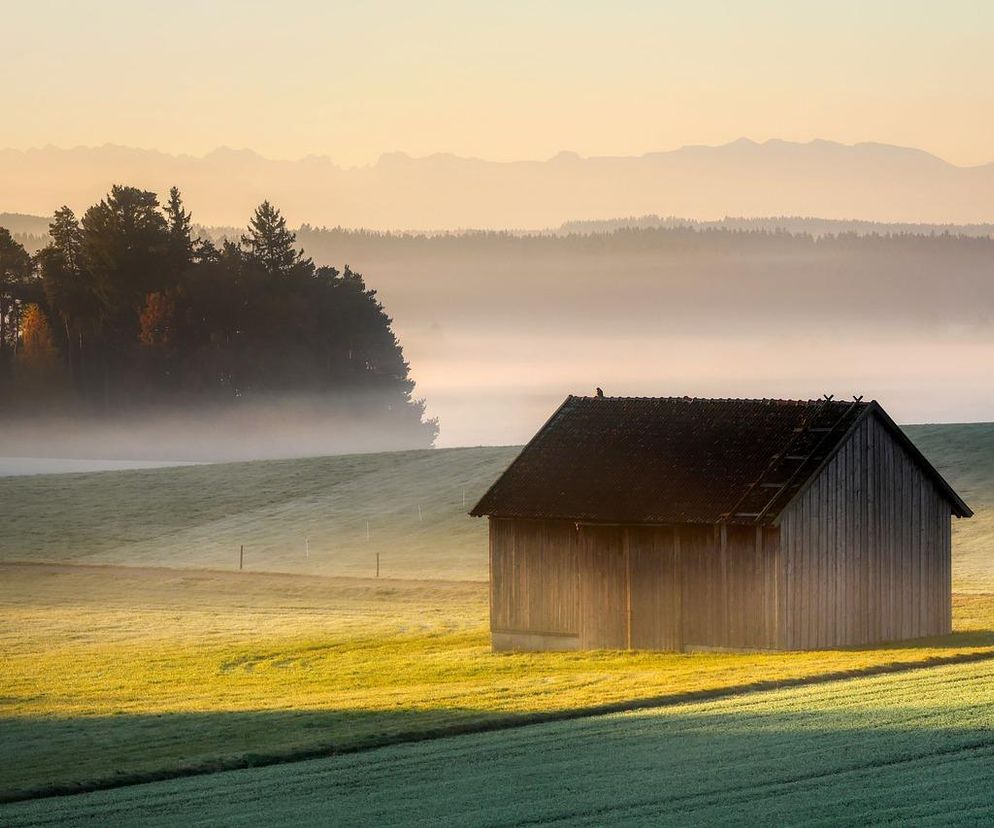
(303, 516)
(310, 516)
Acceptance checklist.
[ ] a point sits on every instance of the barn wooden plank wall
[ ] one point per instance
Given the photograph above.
(533, 577)
(866, 550)
(659, 588)
(729, 586)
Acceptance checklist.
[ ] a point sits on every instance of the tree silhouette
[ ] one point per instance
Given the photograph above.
(147, 315)
(270, 243)
(15, 270)
(180, 230)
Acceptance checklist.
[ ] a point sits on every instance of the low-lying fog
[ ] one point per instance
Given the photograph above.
(499, 329)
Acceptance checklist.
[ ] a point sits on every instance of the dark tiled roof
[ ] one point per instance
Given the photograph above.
(671, 459)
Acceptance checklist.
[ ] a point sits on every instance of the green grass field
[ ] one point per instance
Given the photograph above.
(306, 516)
(965, 456)
(310, 516)
(131, 649)
(914, 748)
(118, 674)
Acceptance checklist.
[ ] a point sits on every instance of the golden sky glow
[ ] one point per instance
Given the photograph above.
(496, 80)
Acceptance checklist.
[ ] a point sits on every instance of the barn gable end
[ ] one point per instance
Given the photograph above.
(866, 545)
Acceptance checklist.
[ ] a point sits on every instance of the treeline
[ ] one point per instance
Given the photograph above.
(804, 225)
(368, 245)
(125, 308)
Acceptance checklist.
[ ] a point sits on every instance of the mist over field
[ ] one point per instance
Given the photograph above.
(499, 328)
(288, 426)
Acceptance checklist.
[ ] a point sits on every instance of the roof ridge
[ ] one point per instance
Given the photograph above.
(770, 400)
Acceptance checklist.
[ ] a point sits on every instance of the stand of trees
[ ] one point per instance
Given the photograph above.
(125, 309)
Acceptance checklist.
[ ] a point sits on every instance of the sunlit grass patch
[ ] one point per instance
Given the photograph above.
(166, 670)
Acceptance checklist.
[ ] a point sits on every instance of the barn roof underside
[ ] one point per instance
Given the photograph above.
(679, 459)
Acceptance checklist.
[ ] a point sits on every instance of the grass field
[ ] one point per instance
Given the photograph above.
(117, 674)
(131, 649)
(912, 748)
(310, 516)
(965, 456)
(307, 516)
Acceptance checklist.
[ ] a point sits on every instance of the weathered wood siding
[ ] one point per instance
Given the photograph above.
(533, 581)
(656, 597)
(729, 586)
(639, 587)
(866, 550)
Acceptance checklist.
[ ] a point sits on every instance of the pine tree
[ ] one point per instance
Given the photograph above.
(67, 238)
(270, 244)
(180, 229)
(15, 269)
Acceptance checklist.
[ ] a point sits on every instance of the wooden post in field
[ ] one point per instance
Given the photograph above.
(377, 564)
(307, 547)
(367, 530)
(241, 556)
(420, 516)
(464, 497)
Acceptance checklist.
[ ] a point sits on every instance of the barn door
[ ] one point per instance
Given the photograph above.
(603, 588)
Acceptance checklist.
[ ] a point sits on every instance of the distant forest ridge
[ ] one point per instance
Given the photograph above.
(32, 231)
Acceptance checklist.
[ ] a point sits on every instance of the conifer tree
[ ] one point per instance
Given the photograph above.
(270, 244)
(180, 229)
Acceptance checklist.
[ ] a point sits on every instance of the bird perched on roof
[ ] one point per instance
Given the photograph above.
(600, 392)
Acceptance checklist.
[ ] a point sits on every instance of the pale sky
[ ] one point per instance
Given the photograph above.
(500, 81)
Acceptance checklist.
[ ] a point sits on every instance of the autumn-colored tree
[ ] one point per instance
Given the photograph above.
(156, 321)
(38, 370)
(37, 343)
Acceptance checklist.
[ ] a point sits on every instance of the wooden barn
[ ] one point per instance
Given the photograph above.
(681, 523)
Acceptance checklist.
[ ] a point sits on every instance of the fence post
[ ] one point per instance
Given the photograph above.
(377, 564)
(241, 556)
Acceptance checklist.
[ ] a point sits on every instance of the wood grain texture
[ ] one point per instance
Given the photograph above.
(866, 550)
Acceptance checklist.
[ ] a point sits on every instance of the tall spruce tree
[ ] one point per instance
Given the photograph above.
(270, 244)
(180, 230)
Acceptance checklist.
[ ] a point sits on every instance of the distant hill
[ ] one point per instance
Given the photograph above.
(333, 515)
(836, 181)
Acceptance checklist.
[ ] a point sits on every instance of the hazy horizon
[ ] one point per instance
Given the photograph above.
(437, 192)
(518, 80)
(447, 116)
